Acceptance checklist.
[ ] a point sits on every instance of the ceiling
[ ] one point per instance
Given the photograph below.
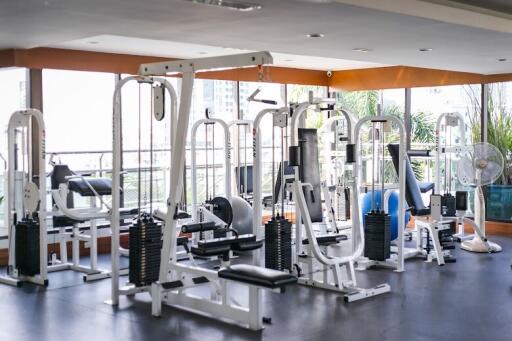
(466, 38)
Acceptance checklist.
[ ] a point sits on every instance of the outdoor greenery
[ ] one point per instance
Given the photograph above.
(365, 103)
(499, 128)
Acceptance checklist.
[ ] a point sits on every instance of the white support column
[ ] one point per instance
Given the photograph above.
(176, 183)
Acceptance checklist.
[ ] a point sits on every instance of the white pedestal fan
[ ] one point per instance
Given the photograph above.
(481, 165)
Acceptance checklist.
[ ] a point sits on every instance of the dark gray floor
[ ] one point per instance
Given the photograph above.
(468, 300)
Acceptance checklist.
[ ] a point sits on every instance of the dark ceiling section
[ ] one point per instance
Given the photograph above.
(503, 6)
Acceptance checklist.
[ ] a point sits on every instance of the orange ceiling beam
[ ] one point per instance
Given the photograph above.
(400, 77)
(351, 80)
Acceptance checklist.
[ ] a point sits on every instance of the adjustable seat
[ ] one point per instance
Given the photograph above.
(326, 240)
(258, 276)
(222, 246)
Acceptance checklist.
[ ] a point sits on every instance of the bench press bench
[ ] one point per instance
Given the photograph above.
(219, 304)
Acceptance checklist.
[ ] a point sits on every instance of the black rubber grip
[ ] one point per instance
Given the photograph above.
(269, 101)
(351, 153)
(418, 153)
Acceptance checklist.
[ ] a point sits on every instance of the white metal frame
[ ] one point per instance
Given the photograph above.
(397, 262)
(341, 269)
(227, 160)
(445, 149)
(333, 170)
(247, 124)
(257, 227)
(115, 215)
(449, 149)
(300, 110)
(218, 305)
(24, 119)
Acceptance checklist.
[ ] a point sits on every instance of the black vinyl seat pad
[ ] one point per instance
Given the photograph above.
(255, 275)
(219, 246)
(327, 239)
(101, 185)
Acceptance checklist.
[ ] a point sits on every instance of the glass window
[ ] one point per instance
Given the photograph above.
(369, 103)
(13, 96)
(136, 99)
(77, 107)
(77, 110)
(427, 104)
(499, 133)
(366, 103)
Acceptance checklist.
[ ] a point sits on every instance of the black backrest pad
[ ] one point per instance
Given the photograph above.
(58, 177)
(412, 189)
(309, 171)
(287, 171)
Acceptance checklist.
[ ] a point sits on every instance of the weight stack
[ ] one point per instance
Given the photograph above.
(278, 244)
(377, 235)
(145, 244)
(448, 205)
(340, 202)
(27, 247)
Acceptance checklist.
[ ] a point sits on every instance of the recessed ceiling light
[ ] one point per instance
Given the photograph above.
(502, 60)
(202, 52)
(361, 49)
(425, 49)
(229, 4)
(93, 42)
(288, 60)
(315, 35)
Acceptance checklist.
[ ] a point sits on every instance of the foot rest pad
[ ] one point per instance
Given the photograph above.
(327, 239)
(210, 251)
(256, 275)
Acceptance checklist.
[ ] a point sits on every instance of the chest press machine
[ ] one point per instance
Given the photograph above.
(336, 273)
(175, 279)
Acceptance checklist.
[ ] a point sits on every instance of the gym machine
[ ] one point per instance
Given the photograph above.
(447, 147)
(222, 224)
(314, 265)
(27, 208)
(175, 279)
(145, 231)
(257, 228)
(398, 252)
(298, 112)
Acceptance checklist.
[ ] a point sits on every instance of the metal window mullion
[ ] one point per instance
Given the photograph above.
(484, 113)
(407, 117)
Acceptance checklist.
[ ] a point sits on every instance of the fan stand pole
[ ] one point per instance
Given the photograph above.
(478, 244)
